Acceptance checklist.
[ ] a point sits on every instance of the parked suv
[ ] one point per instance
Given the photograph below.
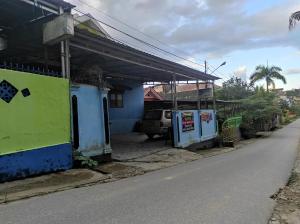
(156, 122)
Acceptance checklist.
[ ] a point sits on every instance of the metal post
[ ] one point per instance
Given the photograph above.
(67, 59)
(175, 105)
(62, 55)
(62, 51)
(214, 96)
(172, 92)
(198, 95)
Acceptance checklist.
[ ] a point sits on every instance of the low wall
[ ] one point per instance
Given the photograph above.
(193, 126)
(35, 124)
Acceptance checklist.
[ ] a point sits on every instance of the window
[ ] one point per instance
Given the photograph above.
(168, 114)
(153, 115)
(116, 99)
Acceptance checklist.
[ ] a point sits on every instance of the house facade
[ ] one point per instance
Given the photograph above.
(67, 90)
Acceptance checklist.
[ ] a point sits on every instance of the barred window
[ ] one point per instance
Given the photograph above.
(116, 100)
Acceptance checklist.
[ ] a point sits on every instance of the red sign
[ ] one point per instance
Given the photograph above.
(188, 121)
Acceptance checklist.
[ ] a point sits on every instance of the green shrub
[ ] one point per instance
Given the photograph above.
(260, 110)
(83, 161)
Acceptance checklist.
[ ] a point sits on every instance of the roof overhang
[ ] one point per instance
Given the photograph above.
(122, 61)
(14, 14)
(26, 18)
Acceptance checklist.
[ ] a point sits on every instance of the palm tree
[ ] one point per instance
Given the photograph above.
(294, 18)
(268, 74)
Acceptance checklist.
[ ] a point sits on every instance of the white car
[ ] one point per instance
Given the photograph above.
(156, 122)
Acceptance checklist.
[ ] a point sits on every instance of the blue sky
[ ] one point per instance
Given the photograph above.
(244, 33)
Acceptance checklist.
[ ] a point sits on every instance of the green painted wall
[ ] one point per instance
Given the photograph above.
(39, 120)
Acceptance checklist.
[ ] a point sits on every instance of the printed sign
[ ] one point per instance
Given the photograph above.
(188, 121)
(206, 117)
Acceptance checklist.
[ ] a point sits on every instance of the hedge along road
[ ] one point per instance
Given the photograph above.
(228, 188)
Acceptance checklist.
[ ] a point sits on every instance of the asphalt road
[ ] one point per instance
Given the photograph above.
(229, 188)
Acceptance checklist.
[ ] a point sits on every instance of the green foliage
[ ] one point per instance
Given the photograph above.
(259, 109)
(294, 18)
(84, 161)
(234, 89)
(269, 74)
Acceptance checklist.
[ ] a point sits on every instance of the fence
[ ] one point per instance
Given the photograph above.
(40, 70)
(230, 129)
(193, 126)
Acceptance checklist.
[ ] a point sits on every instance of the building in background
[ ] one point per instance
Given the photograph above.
(186, 91)
(150, 94)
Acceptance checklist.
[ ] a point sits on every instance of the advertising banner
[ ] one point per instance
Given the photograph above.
(188, 123)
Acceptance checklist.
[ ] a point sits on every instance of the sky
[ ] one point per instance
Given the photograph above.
(244, 33)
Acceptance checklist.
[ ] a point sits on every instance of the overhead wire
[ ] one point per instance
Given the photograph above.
(135, 38)
(126, 43)
(139, 31)
(139, 40)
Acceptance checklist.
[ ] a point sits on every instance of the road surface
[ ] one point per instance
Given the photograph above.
(230, 188)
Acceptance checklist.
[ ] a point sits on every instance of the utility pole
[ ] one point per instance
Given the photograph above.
(213, 83)
(213, 88)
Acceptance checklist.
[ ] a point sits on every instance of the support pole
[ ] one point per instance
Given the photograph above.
(67, 59)
(62, 55)
(214, 96)
(172, 93)
(198, 95)
(175, 105)
(62, 52)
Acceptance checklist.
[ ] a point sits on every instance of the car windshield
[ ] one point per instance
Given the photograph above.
(153, 115)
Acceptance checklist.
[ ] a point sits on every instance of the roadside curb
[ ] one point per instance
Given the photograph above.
(287, 209)
(105, 174)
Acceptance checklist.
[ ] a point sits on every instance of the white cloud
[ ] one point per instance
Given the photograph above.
(241, 72)
(293, 71)
(209, 27)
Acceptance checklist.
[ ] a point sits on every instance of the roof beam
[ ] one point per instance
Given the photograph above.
(112, 47)
(130, 61)
(54, 9)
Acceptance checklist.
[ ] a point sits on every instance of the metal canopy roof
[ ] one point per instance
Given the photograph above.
(14, 13)
(21, 23)
(119, 60)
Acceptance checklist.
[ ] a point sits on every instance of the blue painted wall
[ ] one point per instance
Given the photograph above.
(37, 161)
(209, 127)
(204, 129)
(91, 120)
(124, 119)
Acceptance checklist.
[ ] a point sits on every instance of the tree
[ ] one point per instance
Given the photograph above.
(268, 74)
(259, 112)
(294, 18)
(234, 89)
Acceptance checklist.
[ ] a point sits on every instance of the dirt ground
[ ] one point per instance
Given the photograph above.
(287, 209)
(45, 184)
